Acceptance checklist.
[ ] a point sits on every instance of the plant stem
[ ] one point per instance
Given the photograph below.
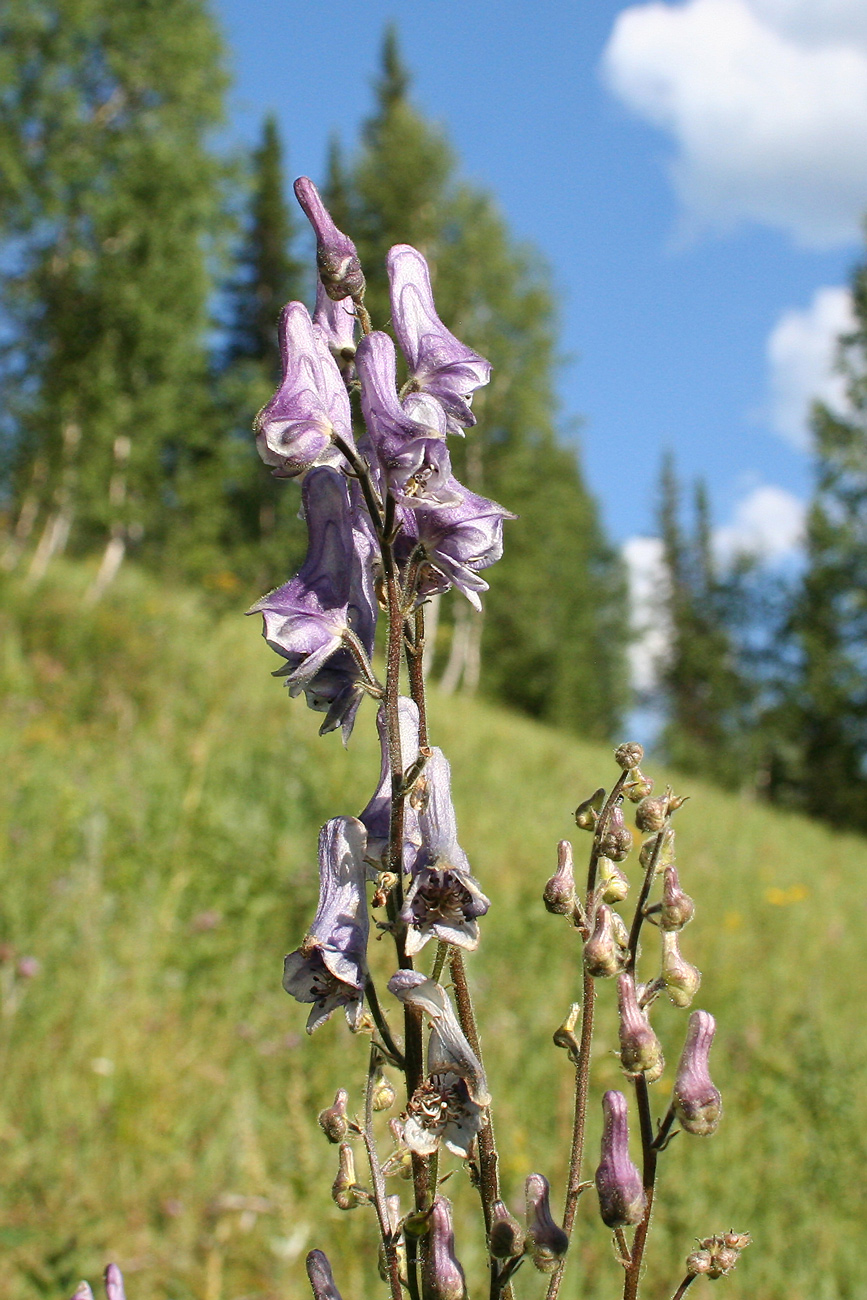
(379, 1182)
(641, 905)
(648, 1178)
(576, 1158)
(414, 658)
(382, 1025)
(489, 1185)
(616, 791)
(682, 1289)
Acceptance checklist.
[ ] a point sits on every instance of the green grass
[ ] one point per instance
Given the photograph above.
(159, 816)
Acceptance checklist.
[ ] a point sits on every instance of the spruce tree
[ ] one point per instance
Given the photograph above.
(707, 698)
(264, 534)
(111, 206)
(827, 709)
(553, 637)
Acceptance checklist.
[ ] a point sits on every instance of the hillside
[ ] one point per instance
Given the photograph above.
(159, 817)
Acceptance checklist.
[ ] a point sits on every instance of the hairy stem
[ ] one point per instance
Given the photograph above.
(390, 1247)
(648, 1178)
(489, 1183)
(685, 1284)
(382, 1024)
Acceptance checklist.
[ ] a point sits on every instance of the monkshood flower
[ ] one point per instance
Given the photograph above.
(697, 1103)
(443, 900)
(618, 1182)
(334, 326)
(114, 1288)
(442, 1275)
(336, 256)
(447, 1107)
(377, 815)
(453, 543)
(309, 619)
(640, 1049)
(548, 1242)
(330, 966)
(321, 1277)
(440, 366)
(294, 430)
(412, 455)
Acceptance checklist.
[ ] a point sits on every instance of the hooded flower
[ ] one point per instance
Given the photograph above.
(447, 1107)
(334, 326)
(622, 1199)
(442, 1275)
(309, 618)
(412, 453)
(455, 542)
(440, 366)
(377, 815)
(443, 900)
(330, 966)
(336, 255)
(294, 430)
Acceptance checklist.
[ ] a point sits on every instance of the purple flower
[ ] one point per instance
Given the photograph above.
(294, 430)
(413, 455)
(621, 1192)
(321, 1277)
(441, 367)
(330, 966)
(455, 542)
(114, 1288)
(309, 619)
(447, 1107)
(334, 326)
(442, 1276)
(443, 900)
(377, 815)
(548, 1242)
(697, 1103)
(336, 256)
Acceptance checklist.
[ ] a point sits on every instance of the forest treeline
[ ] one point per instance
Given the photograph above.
(141, 276)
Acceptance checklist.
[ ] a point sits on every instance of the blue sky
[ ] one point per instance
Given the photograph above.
(696, 175)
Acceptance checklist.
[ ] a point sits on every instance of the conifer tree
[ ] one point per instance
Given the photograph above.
(553, 638)
(264, 532)
(827, 709)
(706, 696)
(110, 205)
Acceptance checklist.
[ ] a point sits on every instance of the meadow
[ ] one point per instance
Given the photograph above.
(159, 810)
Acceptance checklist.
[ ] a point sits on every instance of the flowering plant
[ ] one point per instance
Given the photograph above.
(389, 525)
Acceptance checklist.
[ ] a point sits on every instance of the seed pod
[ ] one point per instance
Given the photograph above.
(615, 841)
(650, 815)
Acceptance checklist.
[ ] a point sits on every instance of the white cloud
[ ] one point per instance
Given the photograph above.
(768, 523)
(647, 585)
(766, 101)
(801, 354)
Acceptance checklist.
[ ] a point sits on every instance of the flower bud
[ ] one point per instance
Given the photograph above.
(345, 1191)
(506, 1238)
(677, 907)
(651, 814)
(546, 1239)
(666, 853)
(336, 255)
(612, 882)
(564, 1035)
(333, 1121)
(628, 755)
(697, 1103)
(681, 979)
(698, 1262)
(587, 813)
(321, 1279)
(559, 895)
(640, 1050)
(618, 1182)
(615, 842)
(442, 1277)
(383, 1092)
(717, 1256)
(605, 954)
(113, 1281)
(638, 786)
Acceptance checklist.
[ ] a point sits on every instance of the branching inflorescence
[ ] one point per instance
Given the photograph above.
(389, 526)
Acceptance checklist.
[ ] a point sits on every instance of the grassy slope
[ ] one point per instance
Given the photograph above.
(158, 1094)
